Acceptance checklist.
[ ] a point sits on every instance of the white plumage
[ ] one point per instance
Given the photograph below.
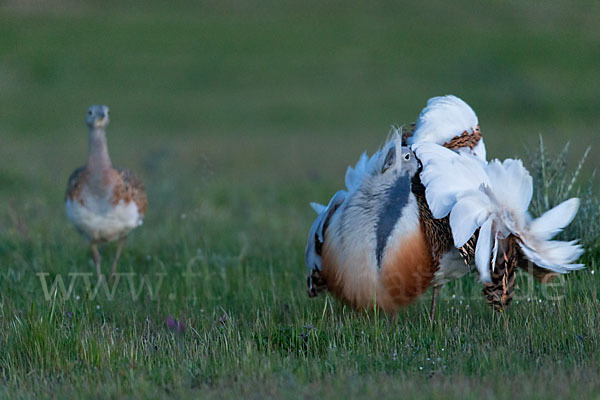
(443, 119)
(554, 255)
(446, 175)
(104, 221)
(494, 197)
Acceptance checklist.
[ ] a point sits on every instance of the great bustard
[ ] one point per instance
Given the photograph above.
(424, 208)
(103, 203)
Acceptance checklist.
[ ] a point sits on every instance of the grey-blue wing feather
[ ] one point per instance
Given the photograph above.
(314, 245)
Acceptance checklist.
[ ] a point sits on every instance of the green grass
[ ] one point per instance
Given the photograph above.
(237, 116)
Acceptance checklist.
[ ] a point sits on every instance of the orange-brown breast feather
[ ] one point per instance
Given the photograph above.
(129, 187)
(332, 272)
(75, 184)
(329, 271)
(348, 280)
(407, 271)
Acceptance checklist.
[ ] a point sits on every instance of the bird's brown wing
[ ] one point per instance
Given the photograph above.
(437, 231)
(130, 188)
(466, 139)
(75, 183)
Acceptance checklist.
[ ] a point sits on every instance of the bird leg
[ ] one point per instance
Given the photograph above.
(117, 255)
(96, 257)
(436, 290)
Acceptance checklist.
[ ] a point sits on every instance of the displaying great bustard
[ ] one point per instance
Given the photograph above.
(426, 207)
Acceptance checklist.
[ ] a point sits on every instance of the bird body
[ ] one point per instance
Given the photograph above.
(103, 203)
(103, 211)
(368, 244)
(351, 256)
(390, 236)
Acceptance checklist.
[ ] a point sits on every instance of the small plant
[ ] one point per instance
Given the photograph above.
(554, 182)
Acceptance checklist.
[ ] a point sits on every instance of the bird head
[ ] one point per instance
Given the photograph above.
(396, 159)
(97, 117)
(378, 180)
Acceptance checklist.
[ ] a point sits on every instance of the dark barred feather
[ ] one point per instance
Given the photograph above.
(437, 231)
(467, 251)
(315, 283)
(499, 292)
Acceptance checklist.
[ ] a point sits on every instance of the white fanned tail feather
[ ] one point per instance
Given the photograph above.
(444, 118)
(494, 197)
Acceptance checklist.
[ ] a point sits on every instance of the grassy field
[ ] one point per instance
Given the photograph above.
(237, 115)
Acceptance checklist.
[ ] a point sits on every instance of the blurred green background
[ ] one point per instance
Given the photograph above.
(285, 87)
(278, 96)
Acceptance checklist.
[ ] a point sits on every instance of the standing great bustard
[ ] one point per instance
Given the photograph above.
(387, 238)
(104, 203)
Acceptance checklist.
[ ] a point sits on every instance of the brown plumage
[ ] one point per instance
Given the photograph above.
(499, 292)
(368, 249)
(467, 251)
(408, 272)
(437, 231)
(408, 269)
(315, 283)
(466, 139)
(129, 187)
(75, 184)
(126, 187)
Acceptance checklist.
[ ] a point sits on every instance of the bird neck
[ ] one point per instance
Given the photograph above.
(98, 158)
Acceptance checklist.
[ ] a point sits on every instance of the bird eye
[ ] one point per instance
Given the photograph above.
(407, 156)
(89, 112)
